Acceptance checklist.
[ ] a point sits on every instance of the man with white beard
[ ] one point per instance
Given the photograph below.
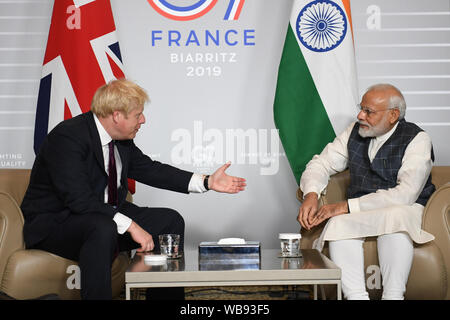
(390, 162)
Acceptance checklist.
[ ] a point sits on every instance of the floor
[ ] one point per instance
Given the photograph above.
(290, 292)
(238, 293)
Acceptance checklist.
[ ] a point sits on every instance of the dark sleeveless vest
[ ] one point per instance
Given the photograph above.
(366, 177)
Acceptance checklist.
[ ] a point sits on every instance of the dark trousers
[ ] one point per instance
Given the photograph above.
(92, 241)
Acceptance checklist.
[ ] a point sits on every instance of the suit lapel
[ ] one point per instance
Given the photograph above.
(96, 144)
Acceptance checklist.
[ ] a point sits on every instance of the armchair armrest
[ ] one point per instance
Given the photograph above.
(436, 220)
(436, 212)
(11, 225)
(299, 195)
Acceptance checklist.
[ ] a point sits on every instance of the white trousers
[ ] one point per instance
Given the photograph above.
(395, 255)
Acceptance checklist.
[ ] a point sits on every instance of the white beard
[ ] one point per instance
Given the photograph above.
(371, 131)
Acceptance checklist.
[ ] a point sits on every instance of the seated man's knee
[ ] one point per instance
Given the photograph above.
(103, 229)
(176, 219)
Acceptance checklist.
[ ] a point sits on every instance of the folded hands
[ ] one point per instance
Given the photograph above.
(310, 215)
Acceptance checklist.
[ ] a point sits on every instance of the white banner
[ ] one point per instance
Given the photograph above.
(210, 69)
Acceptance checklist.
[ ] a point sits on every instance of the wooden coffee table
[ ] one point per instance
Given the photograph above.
(313, 268)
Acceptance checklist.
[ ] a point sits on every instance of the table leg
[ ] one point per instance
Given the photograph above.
(315, 292)
(127, 292)
(339, 291)
(322, 292)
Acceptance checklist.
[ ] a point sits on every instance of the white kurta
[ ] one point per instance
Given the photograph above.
(381, 212)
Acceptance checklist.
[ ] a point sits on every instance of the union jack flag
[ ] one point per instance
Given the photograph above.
(82, 54)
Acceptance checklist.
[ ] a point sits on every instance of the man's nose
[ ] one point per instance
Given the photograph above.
(361, 115)
(142, 120)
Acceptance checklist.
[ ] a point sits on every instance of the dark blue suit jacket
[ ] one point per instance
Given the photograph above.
(69, 177)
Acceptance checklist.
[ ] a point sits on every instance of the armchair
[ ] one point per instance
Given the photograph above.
(27, 274)
(430, 272)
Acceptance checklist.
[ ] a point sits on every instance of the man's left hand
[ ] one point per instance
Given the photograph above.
(221, 182)
(329, 210)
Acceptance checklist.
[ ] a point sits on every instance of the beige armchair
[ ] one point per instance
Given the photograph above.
(27, 274)
(430, 272)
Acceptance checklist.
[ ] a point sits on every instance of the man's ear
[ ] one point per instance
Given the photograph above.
(394, 115)
(116, 116)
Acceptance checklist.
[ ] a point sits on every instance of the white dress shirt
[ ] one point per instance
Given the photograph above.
(123, 222)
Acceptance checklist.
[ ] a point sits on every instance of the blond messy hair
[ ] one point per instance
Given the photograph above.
(118, 95)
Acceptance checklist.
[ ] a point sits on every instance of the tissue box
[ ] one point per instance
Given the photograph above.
(214, 256)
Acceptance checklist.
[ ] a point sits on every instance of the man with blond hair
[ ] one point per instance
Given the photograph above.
(390, 161)
(75, 205)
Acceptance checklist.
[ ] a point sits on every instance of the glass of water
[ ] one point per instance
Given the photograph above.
(169, 244)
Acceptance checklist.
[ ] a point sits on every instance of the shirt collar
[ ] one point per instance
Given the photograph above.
(386, 136)
(105, 138)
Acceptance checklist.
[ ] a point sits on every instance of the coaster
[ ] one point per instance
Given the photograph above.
(155, 258)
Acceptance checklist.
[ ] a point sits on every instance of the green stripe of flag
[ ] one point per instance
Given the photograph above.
(299, 114)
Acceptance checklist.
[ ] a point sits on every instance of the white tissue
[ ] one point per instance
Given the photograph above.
(231, 241)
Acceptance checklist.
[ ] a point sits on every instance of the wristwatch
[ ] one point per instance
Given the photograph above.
(205, 182)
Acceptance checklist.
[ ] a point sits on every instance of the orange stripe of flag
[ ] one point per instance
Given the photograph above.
(346, 4)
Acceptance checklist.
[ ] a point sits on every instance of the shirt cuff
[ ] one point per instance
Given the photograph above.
(196, 184)
(123, 222)
(312, 189)
(353, 205)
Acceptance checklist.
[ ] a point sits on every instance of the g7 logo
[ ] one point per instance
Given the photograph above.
(196, 10)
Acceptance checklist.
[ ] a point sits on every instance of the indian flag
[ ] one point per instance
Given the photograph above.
(317, 92)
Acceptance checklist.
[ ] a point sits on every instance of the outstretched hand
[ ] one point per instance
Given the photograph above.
(221, 182)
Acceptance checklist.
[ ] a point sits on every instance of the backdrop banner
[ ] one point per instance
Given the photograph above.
(210, 69)
(246, 81)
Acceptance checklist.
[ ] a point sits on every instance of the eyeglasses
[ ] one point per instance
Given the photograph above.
(368, 111)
